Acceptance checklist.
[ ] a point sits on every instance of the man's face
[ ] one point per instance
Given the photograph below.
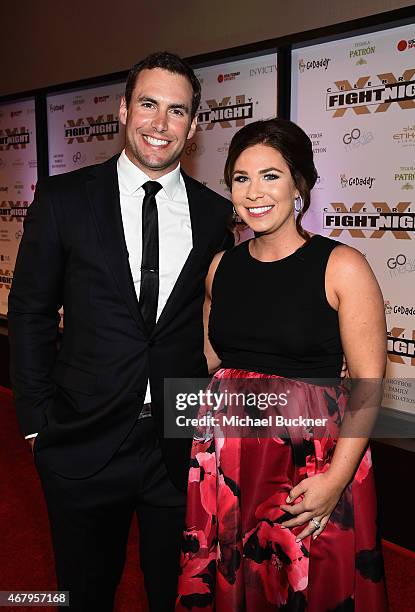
(158, 121)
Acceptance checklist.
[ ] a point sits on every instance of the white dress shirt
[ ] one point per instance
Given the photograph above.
(175, 230)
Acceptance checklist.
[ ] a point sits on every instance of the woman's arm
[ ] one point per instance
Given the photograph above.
(352, 289)
(213, 360)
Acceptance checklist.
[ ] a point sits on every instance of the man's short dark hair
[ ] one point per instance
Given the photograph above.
(167, 61)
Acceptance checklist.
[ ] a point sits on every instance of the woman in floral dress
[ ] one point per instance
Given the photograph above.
(285, 518)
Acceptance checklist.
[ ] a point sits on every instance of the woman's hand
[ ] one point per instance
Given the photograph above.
(320, 494)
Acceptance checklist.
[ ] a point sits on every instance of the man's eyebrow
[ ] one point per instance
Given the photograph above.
(180, 105)
(146, 99)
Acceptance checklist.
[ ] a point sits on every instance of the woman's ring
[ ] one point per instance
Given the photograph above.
(316, 523)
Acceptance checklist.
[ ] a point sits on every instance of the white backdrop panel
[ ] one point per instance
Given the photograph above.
(355, 98)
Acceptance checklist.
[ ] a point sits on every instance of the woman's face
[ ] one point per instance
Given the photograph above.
(263, 190)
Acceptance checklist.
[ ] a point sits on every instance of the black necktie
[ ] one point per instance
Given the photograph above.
(149, 286)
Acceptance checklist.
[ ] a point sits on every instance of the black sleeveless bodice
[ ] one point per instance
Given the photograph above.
(273, 317)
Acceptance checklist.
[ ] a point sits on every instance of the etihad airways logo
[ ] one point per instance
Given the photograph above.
(401, 346)
(85, 130)
(225, 112)
(374, 222)
(16, 138)
(364, 94)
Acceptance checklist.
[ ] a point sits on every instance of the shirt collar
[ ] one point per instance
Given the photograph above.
(131, 178)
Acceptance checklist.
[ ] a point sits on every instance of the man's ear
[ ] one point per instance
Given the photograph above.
(192, 128)
(123, 112)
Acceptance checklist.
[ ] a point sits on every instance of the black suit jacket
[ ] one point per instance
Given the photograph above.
(84, 398)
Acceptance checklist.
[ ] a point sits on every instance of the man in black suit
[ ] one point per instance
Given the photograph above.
(133, 316)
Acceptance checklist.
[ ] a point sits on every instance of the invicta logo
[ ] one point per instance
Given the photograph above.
(16, 138)
(361, 222)
(10, 211)
(6, 278)
(401, 346)
(364, 94)
(224, 112)
(85, 130)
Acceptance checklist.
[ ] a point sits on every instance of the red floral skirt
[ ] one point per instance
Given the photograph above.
(235, 555)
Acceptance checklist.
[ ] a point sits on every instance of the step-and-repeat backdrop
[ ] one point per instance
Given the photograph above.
(354, 97)
(18, 176)
(83, 127)
(356, 100)
(233, 94)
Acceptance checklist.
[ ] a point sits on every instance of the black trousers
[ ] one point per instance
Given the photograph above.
(90, 520)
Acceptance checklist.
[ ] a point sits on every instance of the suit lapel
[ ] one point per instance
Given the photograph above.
(200, 222)
(104, 194)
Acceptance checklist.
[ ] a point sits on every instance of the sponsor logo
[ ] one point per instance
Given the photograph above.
(316, 142)
(314, 64)
(377, 221)
(224, 112)
(16, 138)
(223, 149)
(360, 50)
(401, 346)
(79, 158)
(85, 130)
(357, 181)
(403, 45)
(78, 101)
(100, 99)
(320, 182)
(4, 188)
(231, 76)
(407, 311)
(404, 176)
(363, 94)
(261, 70)
(4, 257)
(13, 210)
(356, 138)
(54, 108)
(16, 113)
(393, 262)
(193, 149)
(6, 278)
(400, 264)
(58, 161)
(406, 136)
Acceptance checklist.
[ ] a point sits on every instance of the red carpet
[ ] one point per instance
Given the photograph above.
(25, 551)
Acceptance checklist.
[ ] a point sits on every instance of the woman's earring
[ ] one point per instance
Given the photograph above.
(235, 217)
(298, 204)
